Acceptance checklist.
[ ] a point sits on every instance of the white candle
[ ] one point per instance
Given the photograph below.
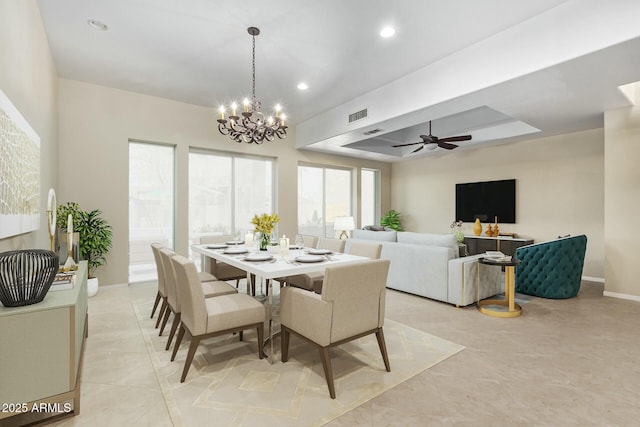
(248, 240)
(284, 246)
(69, 233)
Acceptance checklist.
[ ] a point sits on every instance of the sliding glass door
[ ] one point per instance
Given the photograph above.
(151, 205)
(225, 191)
(369, 197)
(323, 194)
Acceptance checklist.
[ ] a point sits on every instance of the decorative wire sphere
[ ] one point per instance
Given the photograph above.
(26, 276)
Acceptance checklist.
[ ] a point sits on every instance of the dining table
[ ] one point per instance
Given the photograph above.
(273, 264)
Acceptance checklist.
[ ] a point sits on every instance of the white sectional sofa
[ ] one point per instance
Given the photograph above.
(428, 265)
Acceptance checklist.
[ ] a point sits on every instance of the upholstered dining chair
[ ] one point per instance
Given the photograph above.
(222, 270)
(210, 317)
(162, 293)
(305, 281)
(352, 305)
(212, 288)
(308, 241)
(354, 247)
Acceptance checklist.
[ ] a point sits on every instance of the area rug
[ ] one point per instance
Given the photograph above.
(228, 385)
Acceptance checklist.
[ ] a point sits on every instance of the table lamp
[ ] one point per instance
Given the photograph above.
(344, 224)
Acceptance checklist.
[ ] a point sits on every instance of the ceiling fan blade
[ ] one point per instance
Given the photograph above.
(446, 146)
(405, 145)
(456, 138)
(417, 149)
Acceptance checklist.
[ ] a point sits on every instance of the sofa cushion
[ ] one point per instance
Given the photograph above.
(381, 236)
(429, 239)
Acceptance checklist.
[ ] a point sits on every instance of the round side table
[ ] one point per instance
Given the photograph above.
(513, 309)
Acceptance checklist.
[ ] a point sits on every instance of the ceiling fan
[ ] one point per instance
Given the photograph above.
(442, 142)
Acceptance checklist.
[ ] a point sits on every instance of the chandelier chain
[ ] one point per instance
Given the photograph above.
(253, 77)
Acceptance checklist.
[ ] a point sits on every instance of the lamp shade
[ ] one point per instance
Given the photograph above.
(344, 223)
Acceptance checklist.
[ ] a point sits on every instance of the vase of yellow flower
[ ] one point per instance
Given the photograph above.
(265, 224)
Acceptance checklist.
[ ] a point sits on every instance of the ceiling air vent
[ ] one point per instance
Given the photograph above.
(359, 115)
(372, 131)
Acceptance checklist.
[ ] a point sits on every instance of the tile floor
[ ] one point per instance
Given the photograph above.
(563, 363)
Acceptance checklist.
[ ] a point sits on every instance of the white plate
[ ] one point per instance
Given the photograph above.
(217, 246)
(319, 252)
(236, 251)
(310, 258)
(494, 254)
(235, 242)
(258, 257)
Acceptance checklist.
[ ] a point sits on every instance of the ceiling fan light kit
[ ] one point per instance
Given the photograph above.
(439, 142)
(253, 127)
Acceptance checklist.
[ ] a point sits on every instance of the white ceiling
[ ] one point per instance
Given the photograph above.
(199, 52)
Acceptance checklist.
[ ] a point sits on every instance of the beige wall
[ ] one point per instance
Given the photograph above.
(28, 78)
(560, 180)
(622, 200)
(96, 124)
(559, 189)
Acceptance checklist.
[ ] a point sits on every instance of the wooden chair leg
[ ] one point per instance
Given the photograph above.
(383, 349)
(167, 312)
(178, 342)
(192, 351)
(163, 307)
(174, 326)
(253, 285)
(328, 373)
(261, 341)
(155, 304)
(237, 283)
(284, 344)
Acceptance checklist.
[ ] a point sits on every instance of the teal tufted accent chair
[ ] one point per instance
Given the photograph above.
(551, 269)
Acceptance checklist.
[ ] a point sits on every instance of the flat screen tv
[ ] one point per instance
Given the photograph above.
(487, 200)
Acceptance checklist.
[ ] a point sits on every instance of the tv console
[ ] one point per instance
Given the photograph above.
(507, 245)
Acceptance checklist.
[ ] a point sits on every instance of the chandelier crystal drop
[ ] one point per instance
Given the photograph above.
(252, 127)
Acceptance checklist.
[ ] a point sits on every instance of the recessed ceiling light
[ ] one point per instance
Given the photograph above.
(303, 86)
(387, 32)
(97, 25)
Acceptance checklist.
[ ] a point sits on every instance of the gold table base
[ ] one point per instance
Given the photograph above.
(514, 310)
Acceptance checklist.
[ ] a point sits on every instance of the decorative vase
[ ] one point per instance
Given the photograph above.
(477, 227)
(92, 286)
(489, 231)
(457, 232)
(265, 239)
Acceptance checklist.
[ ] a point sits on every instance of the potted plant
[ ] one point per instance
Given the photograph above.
(392, 220)
(95, 238)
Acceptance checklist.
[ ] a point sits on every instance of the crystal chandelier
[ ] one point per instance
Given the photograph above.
(253, 126)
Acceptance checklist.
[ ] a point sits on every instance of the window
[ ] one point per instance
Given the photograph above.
(369, 197)
(323, 194)
(151, 205)
(225, 191)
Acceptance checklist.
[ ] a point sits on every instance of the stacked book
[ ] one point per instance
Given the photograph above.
(63, 280)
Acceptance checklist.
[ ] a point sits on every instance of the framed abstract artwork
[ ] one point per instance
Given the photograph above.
(19, 172)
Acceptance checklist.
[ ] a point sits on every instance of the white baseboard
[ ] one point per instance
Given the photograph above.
(593, 279)
(609, 293)
(621, 296)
